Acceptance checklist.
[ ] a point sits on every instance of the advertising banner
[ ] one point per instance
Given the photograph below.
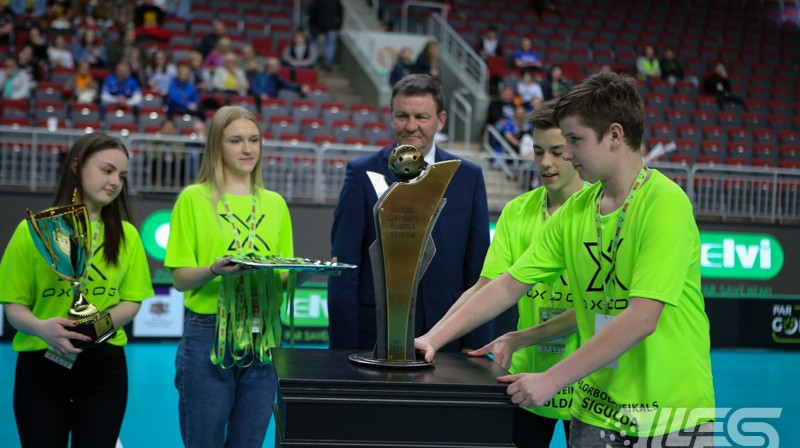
(751, 285)
(160, 316)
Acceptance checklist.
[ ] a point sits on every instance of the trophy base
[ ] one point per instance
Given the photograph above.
(366, 359)
(99, 329)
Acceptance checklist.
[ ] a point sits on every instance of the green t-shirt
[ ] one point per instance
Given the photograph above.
(29, 280)
(667, 374)
(199, 235)
(517, 228)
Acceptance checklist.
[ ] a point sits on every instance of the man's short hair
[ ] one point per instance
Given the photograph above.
(602, 99)
(420, 84)
(543, 117)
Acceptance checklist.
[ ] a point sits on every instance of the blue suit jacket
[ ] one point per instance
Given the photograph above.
(461, 235)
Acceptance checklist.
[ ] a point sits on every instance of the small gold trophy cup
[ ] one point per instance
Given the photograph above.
(61, 235)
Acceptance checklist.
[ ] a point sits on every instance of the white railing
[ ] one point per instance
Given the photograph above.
(444, 9)
(745, 192)
(460, 114)
(507, 159)
(464, 55)
(31, 158)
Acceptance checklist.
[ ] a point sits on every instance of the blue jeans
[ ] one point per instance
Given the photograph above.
(220, 407)
(582, 435)
(330, 46)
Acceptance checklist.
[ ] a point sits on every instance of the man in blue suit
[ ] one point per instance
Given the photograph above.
(461, 233)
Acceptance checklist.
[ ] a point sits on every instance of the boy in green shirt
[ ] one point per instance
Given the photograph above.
(643, 369)
(517, 228)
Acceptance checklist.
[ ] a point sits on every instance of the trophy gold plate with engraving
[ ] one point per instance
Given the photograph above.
(404, 218)
(61, 235)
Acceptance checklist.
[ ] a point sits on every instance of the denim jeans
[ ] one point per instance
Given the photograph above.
(330, 46)
(220, 407)
(582, 435)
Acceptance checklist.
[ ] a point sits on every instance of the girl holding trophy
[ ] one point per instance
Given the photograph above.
(224, 375)
(66, 384)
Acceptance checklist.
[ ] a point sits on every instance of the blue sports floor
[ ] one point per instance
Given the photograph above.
(746, 382)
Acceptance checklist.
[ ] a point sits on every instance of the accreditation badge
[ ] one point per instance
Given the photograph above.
(600, 321)
(555, 346)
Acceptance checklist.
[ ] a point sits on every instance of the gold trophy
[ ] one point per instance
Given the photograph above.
(404, 218)
(61, 235)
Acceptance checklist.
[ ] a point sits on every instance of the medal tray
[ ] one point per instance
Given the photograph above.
(297, 264)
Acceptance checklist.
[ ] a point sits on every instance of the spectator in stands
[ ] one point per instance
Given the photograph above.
(83, 86)
(196, 147)
(16, 83)
(672, 70)
(166, 157)
(718, 84)
(517, 126)
(37, 8)
(136, 64)
(528, 88)
(525, 57)
(92, 14)
(403, 67)
(38, 46)
(181, 9)
(199, 130)
(167, 127)
(149, 19)
(88, 48)
(6, 24)
(160, 72)
(59, 15)
(121, 49)
(58, 54)
(182, 96)
(267, 84)
(501, 108)
(120, 12)
(199, 75)
(540, 6)
(26, 62)
(647, 65)
(300, 53)
(428, 60)
(214, 59)
(250, 59)
(27, 13)
(209, 41)
(325, 18)
(229, 78)
(120, 89)
(490, 43)
(555, 85)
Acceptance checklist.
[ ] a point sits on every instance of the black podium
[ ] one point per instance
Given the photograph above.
(326, 400)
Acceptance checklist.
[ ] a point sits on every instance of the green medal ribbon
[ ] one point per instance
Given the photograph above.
(248, 307)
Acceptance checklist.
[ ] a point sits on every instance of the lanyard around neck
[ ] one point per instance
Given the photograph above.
(95, 228)
(251, 226)
(617, 232)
